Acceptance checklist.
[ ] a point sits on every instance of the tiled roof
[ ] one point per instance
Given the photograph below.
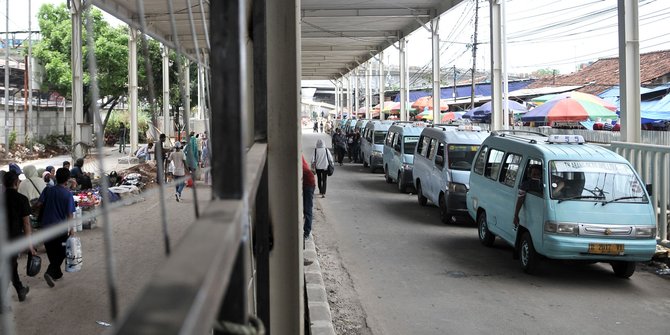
(604, 73)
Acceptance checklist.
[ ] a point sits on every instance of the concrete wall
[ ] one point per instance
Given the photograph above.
(41, 123)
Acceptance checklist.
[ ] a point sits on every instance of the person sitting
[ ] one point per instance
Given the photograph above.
(82, 178)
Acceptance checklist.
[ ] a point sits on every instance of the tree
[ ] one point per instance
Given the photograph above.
(545, 73)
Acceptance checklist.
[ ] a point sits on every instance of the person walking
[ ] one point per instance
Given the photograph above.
(308, 185)
(179, 161)
(18, 224)
(320, 161)
(122, 137)
(340, 143)
(191, 153)
(57, 206)
(33, 185)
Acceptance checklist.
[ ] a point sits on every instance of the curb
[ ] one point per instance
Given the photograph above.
(321, 322)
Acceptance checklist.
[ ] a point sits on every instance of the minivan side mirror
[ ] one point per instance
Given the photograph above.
(439, 160)
(649, 188)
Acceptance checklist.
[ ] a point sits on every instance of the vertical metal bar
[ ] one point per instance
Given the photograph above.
(29, 70)
(665, 189)
(496, 65)
(228, 63)
(356, 93)
(260, 71)
(403, 80)
(6, 73)
(6, 323)
(435, 36)
(382, 86)
(166, 90)
(350, 95)
(193, 151)
(629, 69)
(77, 79)
(284, 167)
(368, 90)
(132, 88)
(109, 256)
(160, 170)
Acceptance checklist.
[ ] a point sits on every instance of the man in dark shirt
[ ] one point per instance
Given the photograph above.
(532, 184)
(58, 206)
(18, 224)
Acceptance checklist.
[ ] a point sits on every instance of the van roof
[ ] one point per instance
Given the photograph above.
(407, 129)
(535, 144)
(453, 135)
(378, 125)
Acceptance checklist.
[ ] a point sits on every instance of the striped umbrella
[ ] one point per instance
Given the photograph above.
(568, 109)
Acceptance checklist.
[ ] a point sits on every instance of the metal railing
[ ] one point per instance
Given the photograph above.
(601, 136)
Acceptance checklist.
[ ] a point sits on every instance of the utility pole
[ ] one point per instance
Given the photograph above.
(453, 93)
(6, 74)
(474, 56)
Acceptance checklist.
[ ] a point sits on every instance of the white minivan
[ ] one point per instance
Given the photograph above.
(558, 197)
(372, 143)
(398, 156)
(442, 163)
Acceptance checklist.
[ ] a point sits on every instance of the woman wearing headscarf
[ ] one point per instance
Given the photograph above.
(320, 161)
(33, 185)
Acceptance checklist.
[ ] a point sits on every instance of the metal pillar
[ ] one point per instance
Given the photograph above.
(496, 65)
(187, 97)
(629, 70)
(76, 8)
(382, 86)
(434, 28)
(350, 102)
(505, 84)
(338, 107)
(284, 166)
(368, 91)
(6, 74)
(132, 87)
(403, 81)
(29, 71)
(356, 94)
(166, 90)
(201, 106)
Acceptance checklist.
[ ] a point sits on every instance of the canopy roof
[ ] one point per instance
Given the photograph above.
(337, 35)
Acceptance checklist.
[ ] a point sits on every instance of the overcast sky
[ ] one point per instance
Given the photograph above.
(554, 34)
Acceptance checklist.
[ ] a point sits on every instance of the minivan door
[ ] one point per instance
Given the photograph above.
(532, 210)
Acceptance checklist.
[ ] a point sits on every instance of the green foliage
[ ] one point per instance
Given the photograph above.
(543, 73)
(143, 121)
(12, 140)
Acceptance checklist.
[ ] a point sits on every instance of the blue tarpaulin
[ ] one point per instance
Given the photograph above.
(464, 91)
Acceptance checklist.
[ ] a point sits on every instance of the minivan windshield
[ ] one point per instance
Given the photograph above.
(379, 137)
(461, 156)
(604, 182)
(410, 143)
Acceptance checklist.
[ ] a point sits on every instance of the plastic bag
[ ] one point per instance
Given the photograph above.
(73, 259)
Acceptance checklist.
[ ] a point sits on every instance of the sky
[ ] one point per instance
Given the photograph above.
(542, 34)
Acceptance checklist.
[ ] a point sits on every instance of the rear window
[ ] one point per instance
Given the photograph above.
(461, 156)
(410, 144)
(379, 137)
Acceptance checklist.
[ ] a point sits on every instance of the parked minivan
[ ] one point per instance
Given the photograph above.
(576, 201)
(398, 156)
(372, 143)
(442, 163)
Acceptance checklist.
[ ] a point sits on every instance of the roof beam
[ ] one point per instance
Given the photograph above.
(353, 34)
(340, 48)
(368, 12)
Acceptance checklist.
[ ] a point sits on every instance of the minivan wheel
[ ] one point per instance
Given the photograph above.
(386, 175)
(445, 216)
(419, 194)
(527, 255)
(401, 186)
(623, 269)
(365, 164)
(485, 236)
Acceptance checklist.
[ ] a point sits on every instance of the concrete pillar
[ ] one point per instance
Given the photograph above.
(201, 111)
(76, 8)
(496, 66)
(403, 81)
(350, 102)
(132, 87)
(284, 166)
(435, 36)
(187, 96)
(337, 97)
(629, 70)
(382, 85)
(166, 90)
(356, 93)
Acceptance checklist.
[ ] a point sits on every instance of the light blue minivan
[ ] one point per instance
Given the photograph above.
(372, 143)
(575, 201)
(398, 156)
(442, 164)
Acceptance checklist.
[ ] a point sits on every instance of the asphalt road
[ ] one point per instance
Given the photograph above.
(415, 275)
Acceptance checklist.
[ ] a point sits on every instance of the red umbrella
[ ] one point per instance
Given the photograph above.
(568, 109)
(585, 97)
(427, 101)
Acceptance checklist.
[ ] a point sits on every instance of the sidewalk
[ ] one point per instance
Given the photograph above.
(110, 160)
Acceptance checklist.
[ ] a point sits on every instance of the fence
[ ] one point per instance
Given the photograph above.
(598, 136)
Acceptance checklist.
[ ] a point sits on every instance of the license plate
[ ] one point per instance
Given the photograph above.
(608, 249)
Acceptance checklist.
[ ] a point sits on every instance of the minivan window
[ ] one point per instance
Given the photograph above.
(389, 138)
(510, 170)
(595, 181)
(461, 156)
(481, 160)
(410, 143)
(527, 183)
(379, 137)
(439, 158)
(425, 146)
(493, 164)
(433, 149)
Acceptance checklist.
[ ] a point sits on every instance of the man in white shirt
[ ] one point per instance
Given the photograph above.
(179, 161)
